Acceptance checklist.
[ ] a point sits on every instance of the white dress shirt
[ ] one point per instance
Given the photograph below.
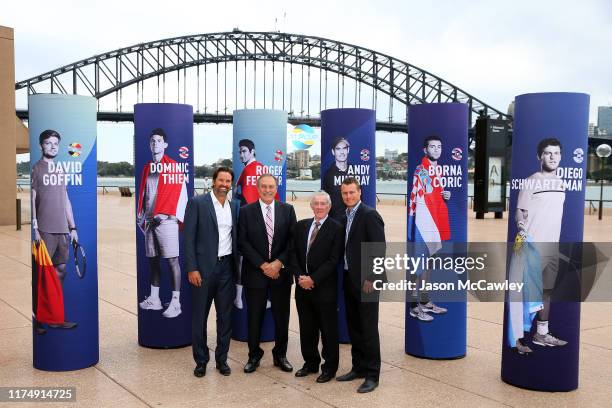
(224, 222)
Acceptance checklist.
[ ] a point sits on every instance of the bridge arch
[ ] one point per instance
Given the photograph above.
(111, 72)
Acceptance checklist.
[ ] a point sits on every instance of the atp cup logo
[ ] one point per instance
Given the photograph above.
(74, 149)
(302, 137)
(578, 155)
(364, 154)
(278, 155)
(457, 153)
(184, 152)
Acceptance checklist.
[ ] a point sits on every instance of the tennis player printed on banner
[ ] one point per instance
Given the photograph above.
(54, 228)
(428, 222)
(535, 259)
(162, 199)
(246, 191)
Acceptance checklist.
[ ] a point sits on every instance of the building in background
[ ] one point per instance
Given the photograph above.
(391, 154)
(302, 158)
(604, 121)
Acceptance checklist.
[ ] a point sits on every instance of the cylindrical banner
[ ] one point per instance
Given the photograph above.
(348, 149)
(64, 231)
(546, 219)
(163, 171)
(259, 147)
(437, 223)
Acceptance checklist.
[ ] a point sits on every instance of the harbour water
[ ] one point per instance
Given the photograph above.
(393, 188)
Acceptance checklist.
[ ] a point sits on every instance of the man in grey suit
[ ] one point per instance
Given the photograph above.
(211, 256)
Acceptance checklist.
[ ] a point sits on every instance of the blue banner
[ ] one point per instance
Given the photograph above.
(163, 171)
(437, 222)
(547, 190)
(348, 149)
(64, 231)
(259, 147)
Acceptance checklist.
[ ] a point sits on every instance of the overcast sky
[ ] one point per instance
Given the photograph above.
(493, 50)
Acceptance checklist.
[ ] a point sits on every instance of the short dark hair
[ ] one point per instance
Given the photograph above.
(48, 134)
(159, 132)
(351, 180)
(550, 141)
(248, 143)
(430, 138)
(267, 175)
(223, 169)
(338, 140)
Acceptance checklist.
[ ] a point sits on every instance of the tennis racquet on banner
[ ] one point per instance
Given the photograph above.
(80, 261)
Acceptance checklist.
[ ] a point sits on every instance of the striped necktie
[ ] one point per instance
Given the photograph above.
(269, 229)
(315, 231)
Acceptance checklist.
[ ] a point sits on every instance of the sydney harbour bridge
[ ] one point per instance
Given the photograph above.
(220, 72)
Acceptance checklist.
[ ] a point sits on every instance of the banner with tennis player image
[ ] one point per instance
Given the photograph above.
(348, 149)
(545, 233)
(436, 224)
(163, 171)
(259, 147)
(64, 231)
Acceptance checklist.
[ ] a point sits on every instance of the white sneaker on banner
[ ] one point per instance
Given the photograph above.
(173, 310)
(430, 307)
(151, 303)
(419, 313)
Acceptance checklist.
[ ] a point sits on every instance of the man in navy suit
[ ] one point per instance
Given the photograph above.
(211, 256)
(265, 228)
(363, 224)
(317, 248)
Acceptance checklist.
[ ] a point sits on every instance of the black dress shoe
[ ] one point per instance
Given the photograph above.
(325, 377)
(304, 371)
(200, 370)
(251, 365)
(64, 325)
(350, 376)
(283, 364)
(224, 368)
(367, 386)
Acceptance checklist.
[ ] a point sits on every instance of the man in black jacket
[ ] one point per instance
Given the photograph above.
(317, 248)
(264, 239)
(362, 224)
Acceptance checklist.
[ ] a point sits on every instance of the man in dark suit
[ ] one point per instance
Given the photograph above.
(362, 224)
(317, 248)
(211, 257)
(265, 228)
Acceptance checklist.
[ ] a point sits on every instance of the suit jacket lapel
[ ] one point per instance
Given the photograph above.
(234, 210)
(357, 215)
(211, 209)
(304, 244)
(277, 216)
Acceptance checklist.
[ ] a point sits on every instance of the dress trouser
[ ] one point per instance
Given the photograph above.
(318, 317)
(256, 298)
(218, 286)
(362, 321)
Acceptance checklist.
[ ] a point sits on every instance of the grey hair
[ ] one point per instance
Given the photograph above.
(321, 193)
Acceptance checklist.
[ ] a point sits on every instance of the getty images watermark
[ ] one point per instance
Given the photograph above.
(421, 264)
(487, 271)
